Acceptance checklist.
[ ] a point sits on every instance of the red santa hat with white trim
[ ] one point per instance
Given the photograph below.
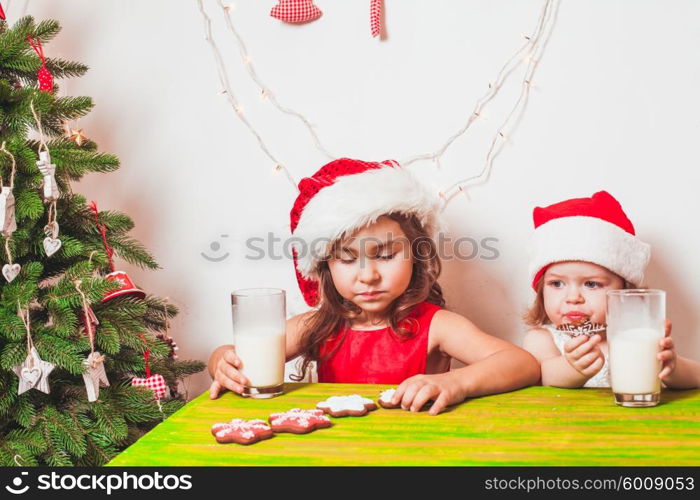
(594, 229)
(346, 195)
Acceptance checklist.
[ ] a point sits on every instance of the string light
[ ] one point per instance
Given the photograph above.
(529, 53)
(539, 41)
(228, 92)
(242, 49)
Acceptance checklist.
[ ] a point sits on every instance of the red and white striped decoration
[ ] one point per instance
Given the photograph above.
(375, 16)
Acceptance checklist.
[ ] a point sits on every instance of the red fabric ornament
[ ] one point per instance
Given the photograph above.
(375, 16)
(295, 11)
(156, 382)
(44, 75)
(2, 13)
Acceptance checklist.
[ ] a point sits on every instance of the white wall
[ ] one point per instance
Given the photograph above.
(615, 106)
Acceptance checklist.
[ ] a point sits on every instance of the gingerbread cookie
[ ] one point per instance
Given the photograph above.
(298, 421)
(241, 431)
(582, 328)
(347, 406)
(385, 399)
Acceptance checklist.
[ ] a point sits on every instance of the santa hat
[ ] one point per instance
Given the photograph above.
(346, 195)
(593, 229)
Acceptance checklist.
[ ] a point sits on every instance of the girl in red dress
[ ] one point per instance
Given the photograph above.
(367, 262)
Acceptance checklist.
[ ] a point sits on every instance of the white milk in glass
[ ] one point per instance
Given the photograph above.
(635, 320)
(633, 353)
(259, 323)
(262, 354)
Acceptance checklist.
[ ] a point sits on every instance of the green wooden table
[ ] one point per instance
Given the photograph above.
(533, 426)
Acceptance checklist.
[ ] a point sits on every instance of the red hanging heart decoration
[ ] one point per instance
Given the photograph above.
(295, 11)
(156, 383)
(44, 75)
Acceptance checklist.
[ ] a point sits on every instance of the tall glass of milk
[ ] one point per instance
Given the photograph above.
(636, 321)
(259, 321)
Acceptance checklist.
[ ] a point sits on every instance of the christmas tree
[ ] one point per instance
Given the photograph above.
(72, 337)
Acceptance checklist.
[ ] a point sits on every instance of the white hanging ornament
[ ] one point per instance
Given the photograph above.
(95, 375)
(8, 221)
(7, 211)
(10, 271)
(48, 170)
(51, 243)
(33, 373)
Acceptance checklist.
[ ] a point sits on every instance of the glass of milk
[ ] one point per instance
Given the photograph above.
(636, 320)
(259, 321)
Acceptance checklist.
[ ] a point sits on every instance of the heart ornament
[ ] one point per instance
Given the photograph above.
(10, 272)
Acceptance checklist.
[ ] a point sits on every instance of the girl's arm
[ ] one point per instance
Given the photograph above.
(557, 371)
(686, 375)
(224, 365)
(494, 366)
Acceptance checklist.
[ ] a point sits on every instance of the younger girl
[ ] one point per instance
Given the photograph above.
(365, 258)
(581, 249)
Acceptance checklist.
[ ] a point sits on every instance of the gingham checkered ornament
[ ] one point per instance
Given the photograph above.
(296, 11)
(155, 383)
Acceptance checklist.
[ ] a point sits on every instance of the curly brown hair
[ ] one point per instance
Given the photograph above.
(335, 313)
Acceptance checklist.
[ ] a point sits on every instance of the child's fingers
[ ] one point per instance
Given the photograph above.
(230, 384)
(586, 346)
(594, 367)
(425, 394)
(665, 372)
(439, 404)
(409, 395)
(230, 372)
(588, 359)
(665, 356)
(398, 394)
(667, 327)
(666, 343)
(214, 390)
(232, 358)
(574, 343)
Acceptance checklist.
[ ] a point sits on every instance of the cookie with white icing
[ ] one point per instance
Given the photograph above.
(385, 399)
(241, 431)
(298, 421)
(347, 406)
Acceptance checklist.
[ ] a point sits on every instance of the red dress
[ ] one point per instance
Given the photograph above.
(378, 356)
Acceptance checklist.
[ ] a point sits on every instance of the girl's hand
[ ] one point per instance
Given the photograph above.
(416, 391)
(584, 354)
(668, 354)
(227, 374)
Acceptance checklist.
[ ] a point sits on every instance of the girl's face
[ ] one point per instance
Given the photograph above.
(575, 292)
(373, 267)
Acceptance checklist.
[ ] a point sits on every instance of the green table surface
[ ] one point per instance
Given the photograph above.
(533, 426)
